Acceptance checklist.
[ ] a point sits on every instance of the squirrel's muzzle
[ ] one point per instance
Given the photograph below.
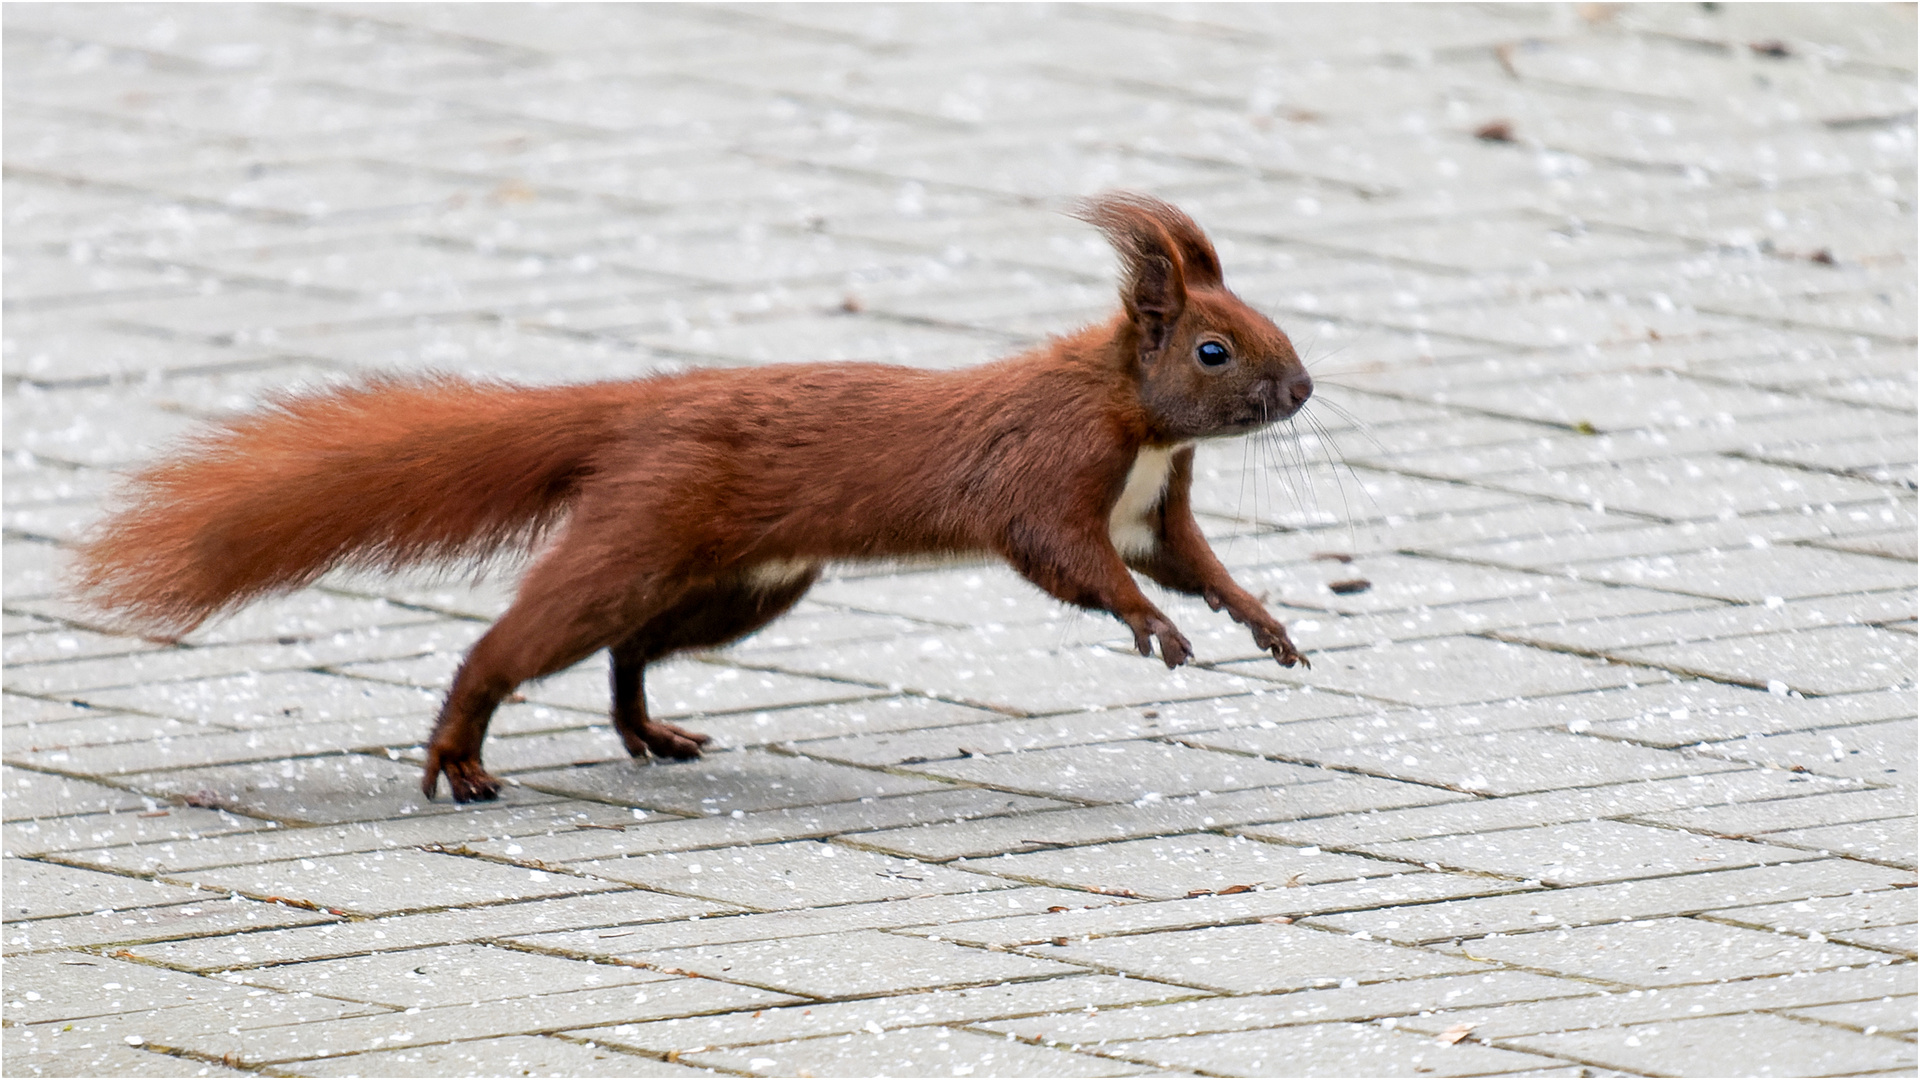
(1277, 399)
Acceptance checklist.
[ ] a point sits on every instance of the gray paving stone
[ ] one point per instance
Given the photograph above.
(514, 1054)
(472, 823)
(67, 643)
(958, 666)
(1688, 894)
(1584, 852)
(209, 918)
(1768, 1046)
(1397, 725)
(131, 674)
(1709, 712)
(253, 699)
(1170, 867)
(1090, 917)
(386, 882)
(1561, 600)
(1720, 621)
(107, 1060)
(1888, 1014)
(40, 890)
(1255, 958)
(854, 964)
(37, 836)
(973, 1003)
(791, 875)
(1371, 1002)
(1667, 952)
(527, 1015)
(808, 722)
(692, 688)
(1355, 500)
(1325, 1050)
(326, 789)
(947, 806)
(20, 710)
(1510, 762)
(1871, 753)
(1900, 940)
(31, 795)
(1830, 660)
(1693, 488)
(1131, 771)
(1891, 841)
(920, 910)
(87, 727)
(1615, 1009)
(224, 747)
(443, 975)
(971, 839)
(1448, 671)
(1400, 582)
(454, 926)
(744, 780)
(233, 1018)
(1812, 810)
(1748, 574)
(910, 1052)
(1069, 729)
(72, 985)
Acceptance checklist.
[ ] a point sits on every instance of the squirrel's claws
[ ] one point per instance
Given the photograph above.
(1175, 649)
(467, 781)
(1288, 657)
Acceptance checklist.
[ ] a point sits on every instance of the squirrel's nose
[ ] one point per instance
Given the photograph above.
(1297, 388)
(1282, 397)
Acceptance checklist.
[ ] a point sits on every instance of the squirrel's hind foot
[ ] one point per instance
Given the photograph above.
(664, 741)
(467, 780)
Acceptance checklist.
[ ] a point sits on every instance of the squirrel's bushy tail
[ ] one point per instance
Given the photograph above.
(383, 474)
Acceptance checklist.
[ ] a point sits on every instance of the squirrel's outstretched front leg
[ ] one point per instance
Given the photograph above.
(1183, 561)
(1075, 561)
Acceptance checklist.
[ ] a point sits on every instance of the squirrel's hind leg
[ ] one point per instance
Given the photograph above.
(705, 618)
(562, 615)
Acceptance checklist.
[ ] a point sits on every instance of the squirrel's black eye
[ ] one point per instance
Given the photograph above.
(1213, 354)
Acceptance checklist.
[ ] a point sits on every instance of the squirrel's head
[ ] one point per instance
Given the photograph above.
(1207, 363)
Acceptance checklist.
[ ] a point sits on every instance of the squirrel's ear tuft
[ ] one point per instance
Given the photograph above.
(1141, 223)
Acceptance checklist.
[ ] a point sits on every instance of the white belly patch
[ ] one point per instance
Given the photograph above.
(779, 573)
(1129, 524)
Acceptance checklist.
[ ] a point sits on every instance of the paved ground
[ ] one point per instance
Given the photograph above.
(1611, 769)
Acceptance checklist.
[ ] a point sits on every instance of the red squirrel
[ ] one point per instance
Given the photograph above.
(687, 511)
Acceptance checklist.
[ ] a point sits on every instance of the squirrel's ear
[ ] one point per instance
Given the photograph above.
(1154, 297)
(1164, 254)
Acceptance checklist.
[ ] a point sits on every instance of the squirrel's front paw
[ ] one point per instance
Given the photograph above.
(1274, 640)
(1175, 649)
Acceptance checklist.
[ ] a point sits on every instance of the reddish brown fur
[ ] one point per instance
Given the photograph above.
(673, 490)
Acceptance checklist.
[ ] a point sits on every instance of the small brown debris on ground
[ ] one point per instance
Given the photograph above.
(1351, 585)
(1779, 50)
(1504, 54)
(1457, 1032)
(1494, 131)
